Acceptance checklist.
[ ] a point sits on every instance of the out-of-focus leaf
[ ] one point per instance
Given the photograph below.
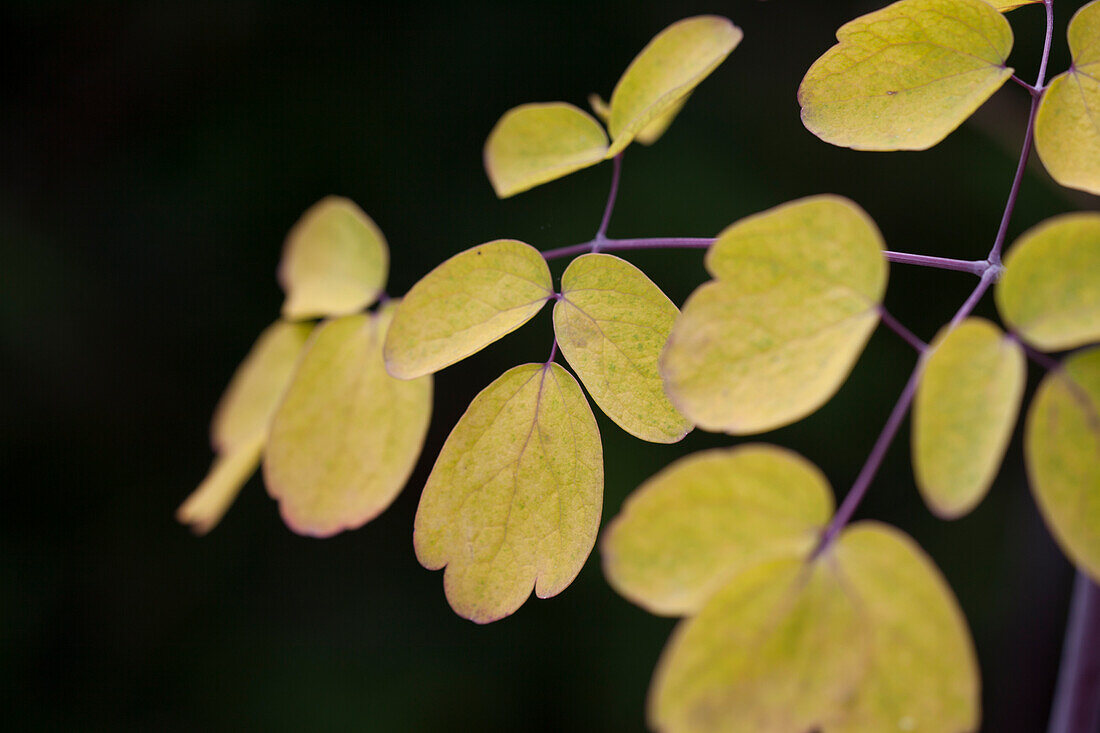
(649, 134)
(207, 504)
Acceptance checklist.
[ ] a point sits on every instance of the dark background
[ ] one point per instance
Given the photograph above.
(152, 157)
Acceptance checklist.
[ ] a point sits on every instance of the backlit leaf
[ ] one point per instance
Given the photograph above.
(904, 77)
(690, 528)
(207, 504)
(963, 415)
(335, 261)
(651, 132)
(777, 333)
(465, 304)
(535, 143)
(1067, 129)
(515, 497)
(347, 434)
(1062, 448)
(611, 323)
(1049, 293)
(665, 72)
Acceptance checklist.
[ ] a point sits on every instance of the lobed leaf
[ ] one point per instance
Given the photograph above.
(905, 76)
(965, 408)
(536, 143)
(685, 532)
(1067, 128)
(1062, 452)
(773, 337)
(611, 323)
(658, 80)
(347, 435)
(463, 305)
(514, 499)
(1049, 293)
(335, 261)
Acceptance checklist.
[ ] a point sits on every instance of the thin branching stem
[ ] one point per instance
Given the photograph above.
(1076, 701)
(616, 172)
(897, 327)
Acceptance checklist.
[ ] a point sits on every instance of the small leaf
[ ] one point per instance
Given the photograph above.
(463, 305)
(335, 261)
(1067, 129)
(651, 132)
(1049, 293)
(1006, 5)
(776, 334)
(347, 434)
(535, 143)
(611, 323)
(659, 78)
(514, 499)
(904, 77)
(207, 504)
(685, 532)
(965, 409)
(1062, 451)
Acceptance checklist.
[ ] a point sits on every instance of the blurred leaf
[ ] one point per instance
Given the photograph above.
(347, 434)
(698, 522)
(611, 324)
(463, 305)
(777, 333)
(515, 497)
(1062, 449)
(535, 143)
(207, 504)
(651, 132)
(1049, 293)
(335, 261)
(659, 78)
(904, 77)
(963, 415)
(1006, 5)
(1067, 132)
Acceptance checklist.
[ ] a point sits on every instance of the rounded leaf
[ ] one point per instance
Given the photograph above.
(1005, 5)
(904, 77)
(514, 499)
(535, 143)
(694, 525)
(1049, 293)
(347, 435)
(335, 261)
(611, 323)
(463, 305)
(965, 408)
(1062, 450)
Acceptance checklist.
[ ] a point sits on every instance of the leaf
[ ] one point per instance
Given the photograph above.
(207, 504)
(335, 261)
(1067, 128)
(611, 323)
(660, 77)
(347, 434)
(965, 409)
(649, 134)
(1049, 293)
(685, 532)
(1062, 452)
(776, 334)
(1006, 5)
(463, 305)
(904, 77)
(535, 143)
(514, 499)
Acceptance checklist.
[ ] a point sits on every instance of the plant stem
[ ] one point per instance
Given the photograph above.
(1077, 698)
(616, 172)
(896, 326)
(974, 267)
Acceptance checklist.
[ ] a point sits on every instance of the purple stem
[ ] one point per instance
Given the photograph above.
(1077, 699)
(553, 352)
(616, 171)
(974, 267)
(896, 326)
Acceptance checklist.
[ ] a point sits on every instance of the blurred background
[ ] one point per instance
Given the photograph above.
(152, 157)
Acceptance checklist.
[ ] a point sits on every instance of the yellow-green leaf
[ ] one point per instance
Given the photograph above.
(685, 532)
(515, 497)
(963, 415)
(465, 304)
(923, 675)
(904, 77)
(665, 72)
(535, 143)
(335, 261)
(1005, 5)
(779, 649)
(1049, 293)
(1062, 448)
(649, 134)
(611, 323)
(1067, 129)
(207, 504)
(347, 434)
(776, 334)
